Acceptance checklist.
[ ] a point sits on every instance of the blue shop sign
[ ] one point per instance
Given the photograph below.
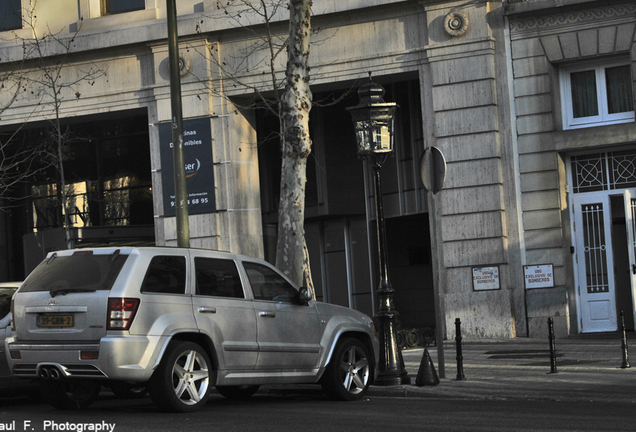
(197, 139)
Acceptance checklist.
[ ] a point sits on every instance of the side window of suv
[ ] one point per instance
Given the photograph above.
(268, 285)
(165, 275)
(217, 278)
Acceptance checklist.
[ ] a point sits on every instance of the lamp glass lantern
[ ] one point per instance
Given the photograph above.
(374, 121)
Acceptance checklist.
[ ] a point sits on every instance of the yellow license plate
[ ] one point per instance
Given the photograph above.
(55, 321)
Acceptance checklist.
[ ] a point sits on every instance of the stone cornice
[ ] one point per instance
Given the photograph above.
(616, 12)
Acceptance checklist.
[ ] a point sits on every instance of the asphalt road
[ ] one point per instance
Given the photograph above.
(307, 413)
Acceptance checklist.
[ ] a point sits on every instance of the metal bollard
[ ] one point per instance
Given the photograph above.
(553, 365)
(625, 364)
(460, 357)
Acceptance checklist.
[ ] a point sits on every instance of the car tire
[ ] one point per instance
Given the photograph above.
(181, 383)
(69, 394)
(348, 374)
(123, 390)
(237, 392)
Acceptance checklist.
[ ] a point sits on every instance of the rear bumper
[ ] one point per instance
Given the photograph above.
(129, 358)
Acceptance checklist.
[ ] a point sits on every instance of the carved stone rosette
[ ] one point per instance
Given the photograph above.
(184, 66)
(456, 23)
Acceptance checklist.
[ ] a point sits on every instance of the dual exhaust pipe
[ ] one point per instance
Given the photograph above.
(49, 372)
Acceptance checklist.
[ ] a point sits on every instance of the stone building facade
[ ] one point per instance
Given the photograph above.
(531, 104)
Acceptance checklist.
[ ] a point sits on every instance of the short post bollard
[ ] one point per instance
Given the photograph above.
(553, 365)
(625, 364)
(460, 357)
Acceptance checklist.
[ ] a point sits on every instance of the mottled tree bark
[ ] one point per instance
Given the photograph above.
(296, 142)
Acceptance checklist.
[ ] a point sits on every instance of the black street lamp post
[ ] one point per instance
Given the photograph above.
(374, 122)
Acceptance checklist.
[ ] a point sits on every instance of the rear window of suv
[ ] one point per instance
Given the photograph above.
(82, 271)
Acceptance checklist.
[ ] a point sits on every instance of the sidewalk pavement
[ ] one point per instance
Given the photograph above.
(588, 369)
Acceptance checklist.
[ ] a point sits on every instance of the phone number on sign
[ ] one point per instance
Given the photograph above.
(194, 201)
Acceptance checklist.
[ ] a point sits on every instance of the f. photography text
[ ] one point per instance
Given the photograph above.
(52, 425)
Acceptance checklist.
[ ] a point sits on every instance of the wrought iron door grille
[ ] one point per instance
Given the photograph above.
(604, 171)
(595, 248)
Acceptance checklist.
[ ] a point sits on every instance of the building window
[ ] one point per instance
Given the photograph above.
(107, 173)
(121, 6)
(595, 95)
(10, 15)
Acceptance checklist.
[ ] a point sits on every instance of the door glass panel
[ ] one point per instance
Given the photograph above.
(217, 278)
(595, 248)
(268, 285)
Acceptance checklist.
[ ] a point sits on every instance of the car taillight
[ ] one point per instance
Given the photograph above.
(121, 312)
(89, 355)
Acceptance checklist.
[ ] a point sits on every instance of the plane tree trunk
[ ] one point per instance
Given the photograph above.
(296, 145)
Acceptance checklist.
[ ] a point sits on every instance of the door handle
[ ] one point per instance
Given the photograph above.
(634, 269)
(207, 309)
(267, 314)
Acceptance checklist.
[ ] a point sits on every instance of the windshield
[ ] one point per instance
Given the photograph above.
(78, 272)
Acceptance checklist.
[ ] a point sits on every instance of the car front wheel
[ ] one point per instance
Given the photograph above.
(347, 376)
(181, 383)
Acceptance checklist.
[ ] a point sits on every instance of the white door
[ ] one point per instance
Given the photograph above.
(629, 197)
(597, 299)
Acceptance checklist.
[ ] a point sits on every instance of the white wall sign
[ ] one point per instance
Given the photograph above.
(539, 276)
(486, 278)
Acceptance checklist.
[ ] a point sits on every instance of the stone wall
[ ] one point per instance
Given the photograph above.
(542, 40)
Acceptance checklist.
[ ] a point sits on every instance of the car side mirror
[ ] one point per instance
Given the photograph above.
(304, 296)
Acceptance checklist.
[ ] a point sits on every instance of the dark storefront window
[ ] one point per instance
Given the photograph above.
(107, 175)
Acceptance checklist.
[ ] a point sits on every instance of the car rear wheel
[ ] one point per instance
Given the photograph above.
(237, 392)
(69, 394)
(181, 383)
(347, 376)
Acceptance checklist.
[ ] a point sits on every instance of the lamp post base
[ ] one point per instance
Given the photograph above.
(391, 364)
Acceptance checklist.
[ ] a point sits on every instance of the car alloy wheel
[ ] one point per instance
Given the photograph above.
(182, 381)
(347, 376)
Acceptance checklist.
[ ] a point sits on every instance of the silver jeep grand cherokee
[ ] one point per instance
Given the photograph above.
(177, 321)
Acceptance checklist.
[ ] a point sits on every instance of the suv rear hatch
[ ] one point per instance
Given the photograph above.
(65, 299)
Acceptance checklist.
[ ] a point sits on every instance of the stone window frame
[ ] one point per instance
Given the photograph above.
(603, 118)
